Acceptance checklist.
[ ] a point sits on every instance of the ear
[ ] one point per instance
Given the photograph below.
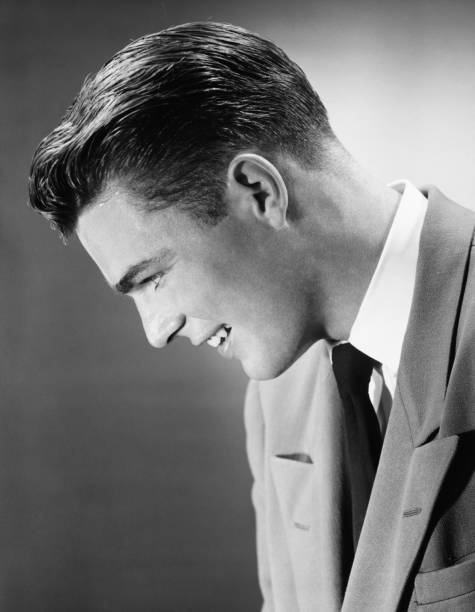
(256, 187)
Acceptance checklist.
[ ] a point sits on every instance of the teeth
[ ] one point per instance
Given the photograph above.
(218, 337)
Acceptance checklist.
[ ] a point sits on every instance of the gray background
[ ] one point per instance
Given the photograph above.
(124, 484)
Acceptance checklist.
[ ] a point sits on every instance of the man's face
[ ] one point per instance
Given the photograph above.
(230, 284)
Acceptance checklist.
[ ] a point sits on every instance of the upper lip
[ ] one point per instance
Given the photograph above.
(203, 338)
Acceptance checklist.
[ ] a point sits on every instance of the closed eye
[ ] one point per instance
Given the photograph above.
(154, 279)
(130, 279)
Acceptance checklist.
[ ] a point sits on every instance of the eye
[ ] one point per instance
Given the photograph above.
(156, 280)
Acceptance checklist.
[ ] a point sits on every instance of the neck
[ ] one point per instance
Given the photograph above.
(345, 217)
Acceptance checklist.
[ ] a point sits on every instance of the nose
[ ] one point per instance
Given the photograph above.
(160, 328)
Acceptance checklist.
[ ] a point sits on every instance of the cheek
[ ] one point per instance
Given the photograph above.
(198, 291)
(226, 285)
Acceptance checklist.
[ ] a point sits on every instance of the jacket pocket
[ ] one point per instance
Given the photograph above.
(451, 588)
(294, 484)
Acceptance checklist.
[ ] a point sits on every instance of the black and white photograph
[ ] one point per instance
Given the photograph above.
(237, 321)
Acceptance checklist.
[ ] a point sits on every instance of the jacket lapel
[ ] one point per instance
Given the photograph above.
(406, 487)
(428, 350)
(415, 459)
(427, 469)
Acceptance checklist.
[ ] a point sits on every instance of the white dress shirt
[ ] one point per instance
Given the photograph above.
(381, 322)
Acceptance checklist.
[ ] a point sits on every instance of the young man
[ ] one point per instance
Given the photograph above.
(199, 170)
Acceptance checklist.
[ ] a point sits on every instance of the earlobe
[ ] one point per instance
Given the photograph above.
(261, 188)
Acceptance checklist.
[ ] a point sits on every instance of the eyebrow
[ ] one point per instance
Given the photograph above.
(128, 282)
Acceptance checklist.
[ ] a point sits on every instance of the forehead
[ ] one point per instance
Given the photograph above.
(117, 232)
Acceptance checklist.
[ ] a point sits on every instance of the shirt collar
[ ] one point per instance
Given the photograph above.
(381, 322)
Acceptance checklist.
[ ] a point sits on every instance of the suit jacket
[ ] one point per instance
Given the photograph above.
(416, 550)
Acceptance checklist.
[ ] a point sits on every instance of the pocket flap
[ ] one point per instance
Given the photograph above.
(448, 582)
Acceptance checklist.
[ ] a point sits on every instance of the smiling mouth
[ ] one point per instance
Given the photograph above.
(219, 337)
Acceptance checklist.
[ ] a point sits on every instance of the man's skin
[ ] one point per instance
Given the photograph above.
(289, 265)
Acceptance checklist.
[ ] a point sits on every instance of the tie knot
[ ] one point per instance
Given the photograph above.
(352, 368)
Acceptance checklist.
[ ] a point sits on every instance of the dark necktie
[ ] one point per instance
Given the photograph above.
(363, 441)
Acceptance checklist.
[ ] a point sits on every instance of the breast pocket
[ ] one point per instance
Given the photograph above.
(449, 589)
(294, 483)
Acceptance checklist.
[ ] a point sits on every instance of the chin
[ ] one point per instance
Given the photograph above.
(266, 369)
(269, 365)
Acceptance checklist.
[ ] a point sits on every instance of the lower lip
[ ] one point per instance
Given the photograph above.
(225, 349)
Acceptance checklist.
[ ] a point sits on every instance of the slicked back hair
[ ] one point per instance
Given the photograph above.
(166, 115)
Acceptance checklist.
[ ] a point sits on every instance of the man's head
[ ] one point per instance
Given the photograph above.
(172, 155)
(167, 114)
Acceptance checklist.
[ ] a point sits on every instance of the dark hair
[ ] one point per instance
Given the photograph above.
(167, 113)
